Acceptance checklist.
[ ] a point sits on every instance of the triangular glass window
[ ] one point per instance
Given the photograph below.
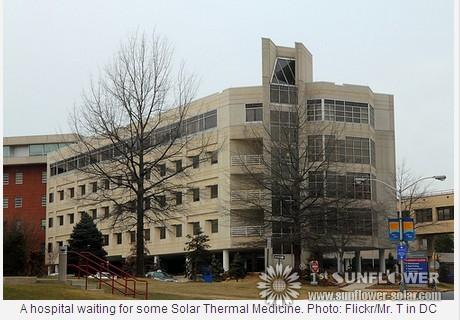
(284, 72)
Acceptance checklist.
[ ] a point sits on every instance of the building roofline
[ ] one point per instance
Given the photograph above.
(38, 139)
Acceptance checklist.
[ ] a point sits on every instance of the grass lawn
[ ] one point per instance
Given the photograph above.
(226, 290)
(51, 291)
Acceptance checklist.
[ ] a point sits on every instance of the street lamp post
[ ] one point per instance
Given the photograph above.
(399, 191)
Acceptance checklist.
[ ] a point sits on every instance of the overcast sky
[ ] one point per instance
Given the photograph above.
(404, 48)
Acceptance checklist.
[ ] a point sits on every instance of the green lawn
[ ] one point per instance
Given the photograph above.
(51, 291)
(243, 289)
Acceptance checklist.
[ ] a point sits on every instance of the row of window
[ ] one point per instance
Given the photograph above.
(426, 214)
(350, 150)
(19, 178)
(340, 111)
(334, 185)
(342, 221)
(176, 232)
(159, 136)
(31, 150)
(19, 201)
(159, 199)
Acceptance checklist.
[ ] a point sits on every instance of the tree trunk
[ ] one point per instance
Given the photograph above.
(140, 234)
(297, 250)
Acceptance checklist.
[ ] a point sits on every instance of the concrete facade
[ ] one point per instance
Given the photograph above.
(243, 114)
(434, 215)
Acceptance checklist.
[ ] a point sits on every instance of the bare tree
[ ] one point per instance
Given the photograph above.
(406, 180)
(308, 191)
(131, 120)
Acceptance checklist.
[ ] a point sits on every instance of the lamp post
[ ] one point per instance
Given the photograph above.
(399, 191)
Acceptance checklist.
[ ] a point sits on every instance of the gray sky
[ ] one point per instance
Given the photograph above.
(403, 48)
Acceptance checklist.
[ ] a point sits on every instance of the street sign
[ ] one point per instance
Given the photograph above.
(408, 229)
(416, 270)
(393, 228)
(279, 256)
(314, 266)
(401, 251)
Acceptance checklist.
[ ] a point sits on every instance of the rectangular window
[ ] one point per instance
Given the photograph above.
(6, 178)
(44, 200)
(119, 238)
(71, 218)
(214, 157)
(5, 202)
(254, 112)
(51, 197)
(196, 194)
(214, 191)
(93, 213)
(105, 239)
(445, 213)
(178, 230)
(147, 234)
(195, 162)
(105, 212)
(6, 151)
(162, 170)
(36, 150)
(314, 112)
(60, 220)
(61, 195)
(178, 198)
(132, 236)
(50, 247)
(72, 192)
(423, 215)
(82, 189)
(178, 165)
(161, 201)
(44, 177)
(147, 174)
(106, 184)
(93, 186)
(18, 202)
(214, 226)
(19, 177)
(50, 222)
(196, 228)
(162, 232)
(147, 203)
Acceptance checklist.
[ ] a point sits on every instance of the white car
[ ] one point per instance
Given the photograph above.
(101, 275)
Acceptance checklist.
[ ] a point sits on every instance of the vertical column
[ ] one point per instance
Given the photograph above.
(382, 260)
(156, 262)
(339, 264)
(347, 264)
(358, 261)
(225, 260)
(62, 264)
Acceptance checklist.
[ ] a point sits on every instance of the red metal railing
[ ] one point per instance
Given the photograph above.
(90, 264)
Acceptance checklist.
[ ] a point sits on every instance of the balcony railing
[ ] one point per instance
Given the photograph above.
(248, 195)
(247, 231)
(247, 159)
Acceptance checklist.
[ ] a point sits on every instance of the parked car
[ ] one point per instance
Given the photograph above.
(101, 275)
(160, 275)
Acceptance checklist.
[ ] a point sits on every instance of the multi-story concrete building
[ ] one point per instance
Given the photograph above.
(24, 184)
(219, 195)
